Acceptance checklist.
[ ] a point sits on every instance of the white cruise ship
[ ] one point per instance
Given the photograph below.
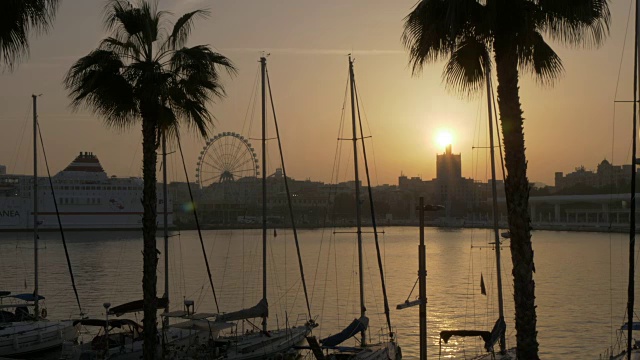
(87, 199)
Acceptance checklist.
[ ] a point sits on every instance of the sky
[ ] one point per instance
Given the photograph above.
(574, 123)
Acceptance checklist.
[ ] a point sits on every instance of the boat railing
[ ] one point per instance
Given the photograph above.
(384, 335)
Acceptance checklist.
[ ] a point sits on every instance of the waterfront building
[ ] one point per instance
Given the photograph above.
(606, 174)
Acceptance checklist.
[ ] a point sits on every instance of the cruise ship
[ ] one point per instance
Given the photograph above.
(87, 198)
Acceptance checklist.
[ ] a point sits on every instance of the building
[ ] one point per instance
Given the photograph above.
(448, 166)
(606, 174)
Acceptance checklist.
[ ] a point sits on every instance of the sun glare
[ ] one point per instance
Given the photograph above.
(444, 138)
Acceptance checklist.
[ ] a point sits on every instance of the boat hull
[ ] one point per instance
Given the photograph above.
(509, 355)
(259, 346)
(30, 337)
(382, 351)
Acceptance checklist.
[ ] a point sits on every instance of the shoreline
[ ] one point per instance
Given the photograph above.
(598, 228)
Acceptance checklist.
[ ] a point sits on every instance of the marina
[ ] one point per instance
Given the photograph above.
(254, 260)
(573, 277)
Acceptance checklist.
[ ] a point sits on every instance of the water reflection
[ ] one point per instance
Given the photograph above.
(573, 280)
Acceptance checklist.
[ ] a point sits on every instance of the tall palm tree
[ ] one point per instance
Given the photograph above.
(465, 33)
(18, 19)
(144, 73)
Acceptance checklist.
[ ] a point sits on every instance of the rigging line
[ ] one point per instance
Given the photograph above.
(366, 119)
(613, 126)
(498, 127)
(252, 104)
(332, 188)
(226, 262)
(632, 210)
(624, 46)
(195, 215)
(64, 241)
(290, 206)
(373, 217)
(21, 138)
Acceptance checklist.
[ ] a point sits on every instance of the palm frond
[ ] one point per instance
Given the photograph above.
(128, 77)
(200, 61)
(433, 28)
(575, 22)
(18, 19)
(537, 57)
(125, 49)
(182, 29)
(466, 68)
(96, 82)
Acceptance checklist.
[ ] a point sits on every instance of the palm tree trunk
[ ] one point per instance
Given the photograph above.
(150, 254)
(517, 195)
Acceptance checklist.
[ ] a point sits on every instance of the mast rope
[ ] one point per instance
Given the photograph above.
(373, 217)
(64, 242)
(195, 215)
(290, 206)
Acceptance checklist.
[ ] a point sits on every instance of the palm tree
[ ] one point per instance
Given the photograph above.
(465, 33)
(18, 19)
(144, 73)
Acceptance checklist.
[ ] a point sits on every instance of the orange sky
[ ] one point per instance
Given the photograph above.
(566, 126)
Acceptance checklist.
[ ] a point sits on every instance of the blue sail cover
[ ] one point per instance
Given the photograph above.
(634, 326)
(27, 297)
(353, 329)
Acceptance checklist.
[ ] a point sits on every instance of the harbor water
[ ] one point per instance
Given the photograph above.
(581, 281)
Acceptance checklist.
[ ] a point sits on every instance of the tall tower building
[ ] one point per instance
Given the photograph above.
(448, 166)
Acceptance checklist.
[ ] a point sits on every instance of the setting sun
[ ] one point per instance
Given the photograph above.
(444, 138)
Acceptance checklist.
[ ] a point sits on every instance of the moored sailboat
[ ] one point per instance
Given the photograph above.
(264, 343)
(26, 332)
(387, 348)
(122, 338)
(497, 333)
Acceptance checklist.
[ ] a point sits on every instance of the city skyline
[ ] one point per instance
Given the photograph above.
(565, 126)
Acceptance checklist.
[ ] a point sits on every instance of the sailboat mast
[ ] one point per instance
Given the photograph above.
(165, 218)
(358, 203)
(263, 69)
(36, 308)
(494, 196)
(632, 213)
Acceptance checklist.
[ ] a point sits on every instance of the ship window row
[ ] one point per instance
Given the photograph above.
(79, 201)
(136, 188)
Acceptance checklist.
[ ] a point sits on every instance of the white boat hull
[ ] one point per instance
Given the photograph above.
(382, 351)
(180, 342)
(259, 346)
(28, 337)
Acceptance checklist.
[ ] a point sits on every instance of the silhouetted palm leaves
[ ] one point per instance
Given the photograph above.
(465, 33)
(18, 19)
(144, 73)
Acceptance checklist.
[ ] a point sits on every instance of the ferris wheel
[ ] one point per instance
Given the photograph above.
(227, 156)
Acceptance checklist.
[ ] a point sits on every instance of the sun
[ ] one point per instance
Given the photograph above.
(444, 138)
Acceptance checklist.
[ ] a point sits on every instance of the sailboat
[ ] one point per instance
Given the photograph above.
(632, 349)
(387, 348)
(26, 332)
(262, 343)
(122, 338)
(497, 334)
